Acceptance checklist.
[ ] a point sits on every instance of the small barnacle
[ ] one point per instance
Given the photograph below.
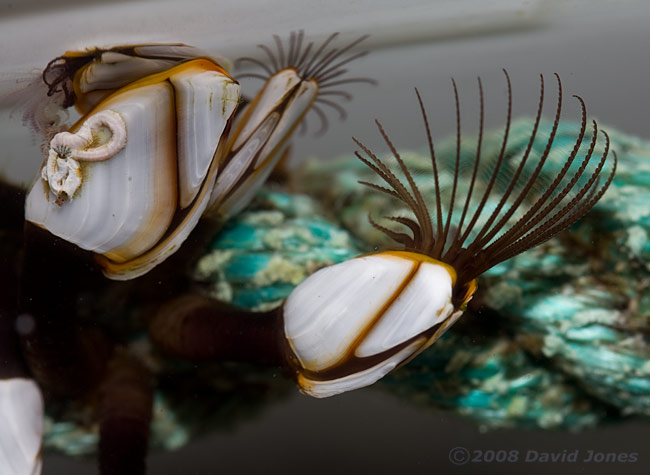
(62, 171)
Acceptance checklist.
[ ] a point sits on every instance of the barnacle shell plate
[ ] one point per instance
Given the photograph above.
(259, 136)
(21, 413)
(351, 323)
(115, 69)
(126, 202)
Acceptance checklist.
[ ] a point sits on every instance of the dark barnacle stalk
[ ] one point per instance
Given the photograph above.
(21, 400)
(196, 328)
(12, 199)
(65, 357)
(125, 412)
(11, 362)
(71, 359)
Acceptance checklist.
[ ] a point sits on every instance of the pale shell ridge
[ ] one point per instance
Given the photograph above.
(204, 103)
(240, 162)
(237, 200)
(420, 306)
(276, 90)
(295, 109)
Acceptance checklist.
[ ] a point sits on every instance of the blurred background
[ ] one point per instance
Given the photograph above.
(601, 49)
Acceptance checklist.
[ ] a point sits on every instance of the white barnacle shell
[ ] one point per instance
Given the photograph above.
(259, 135)
(145, 153)
(21, 427)
(350, 324)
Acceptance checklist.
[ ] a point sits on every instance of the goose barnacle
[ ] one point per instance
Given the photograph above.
(158, 146)
(350, 324)
(132, 177)
(298, 81)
